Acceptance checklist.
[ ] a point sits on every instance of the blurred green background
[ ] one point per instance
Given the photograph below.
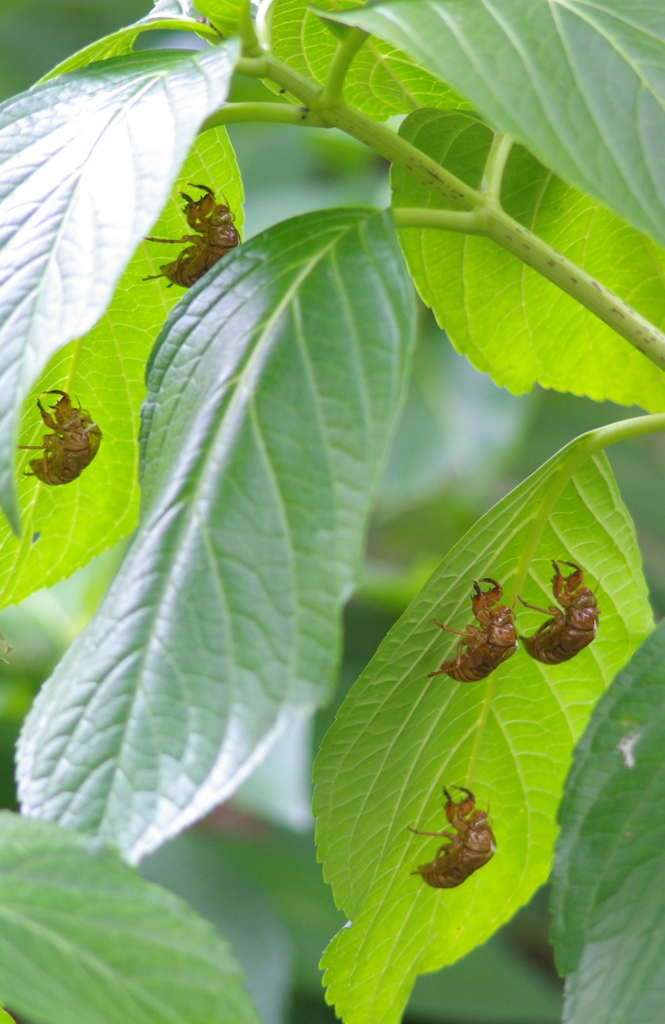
(463, 443)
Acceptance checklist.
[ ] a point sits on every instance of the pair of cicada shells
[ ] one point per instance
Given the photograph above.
(562, 636)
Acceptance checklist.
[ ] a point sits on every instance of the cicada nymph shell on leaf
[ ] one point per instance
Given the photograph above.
(567, 633)
(217, 236)
(470, 846)
(70, 448)
(486, 647)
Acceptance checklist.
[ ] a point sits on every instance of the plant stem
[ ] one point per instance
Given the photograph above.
(487, 218)
(346, 50)
(495, 166)
(493, 222)
(381, 139)
(578, 451)
(280, 113)
(466, 221)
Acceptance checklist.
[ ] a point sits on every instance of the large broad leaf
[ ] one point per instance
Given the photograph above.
(380, 82)
(272, 395)
(580, 83)
(86, 165)
(85, 940)
(608, 895)
(64, 527)
(400, 736)
(498, 311)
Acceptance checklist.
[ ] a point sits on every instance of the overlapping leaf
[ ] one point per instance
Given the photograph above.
(84, 940)
(504, 316)
(112, 137)
(380, 82)
(581, 83)
(64, 527)
(400, 736)
(272, 394)
(608, 896)
(121, 42)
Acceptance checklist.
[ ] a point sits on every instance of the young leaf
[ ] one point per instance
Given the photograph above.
(225, 15)
(608, 899)
(581, 84)
(272, 396)
(113, 137)
(122, 41)
(85, 940)
(504, 316)
(64, 527)
(400, 736)
(380, 82)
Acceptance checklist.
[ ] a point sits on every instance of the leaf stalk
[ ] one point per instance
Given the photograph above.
(581, 449)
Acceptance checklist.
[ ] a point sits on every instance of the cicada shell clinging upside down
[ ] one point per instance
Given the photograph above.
(70, 448)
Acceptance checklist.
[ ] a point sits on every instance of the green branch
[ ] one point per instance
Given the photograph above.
(277, 113)
(493, 222)
(473, 211)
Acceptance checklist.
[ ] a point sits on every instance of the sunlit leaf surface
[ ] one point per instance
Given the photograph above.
(400, 736)
(64, 527)
(113, 136)
(503, 315)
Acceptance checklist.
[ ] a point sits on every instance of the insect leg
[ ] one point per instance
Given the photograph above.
(535, 607)
(171, 241)
(417, 832)
(451, 630)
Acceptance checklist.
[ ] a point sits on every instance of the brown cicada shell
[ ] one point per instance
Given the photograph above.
(217, 236)
(72, 446)
(486, 647)
(469, 847)
(569, 632)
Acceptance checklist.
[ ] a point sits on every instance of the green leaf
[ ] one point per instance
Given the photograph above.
(499, 312)
(608, 899)
(400, 736)
(225, 15)
(122, 42)
(84, 940)
(581, 84)
(380, 82)
(272, 396)
(86, 164)
(64, 527)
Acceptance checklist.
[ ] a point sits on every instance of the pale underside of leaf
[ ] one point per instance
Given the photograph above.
(64, 527)
(607, 883)
(85, 940)
(504, 316)
(272, 395)
(401, 736)
(113, 138)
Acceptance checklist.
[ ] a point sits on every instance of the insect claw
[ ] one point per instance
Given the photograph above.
(488, 579)
(204, 188)
(463, 789)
